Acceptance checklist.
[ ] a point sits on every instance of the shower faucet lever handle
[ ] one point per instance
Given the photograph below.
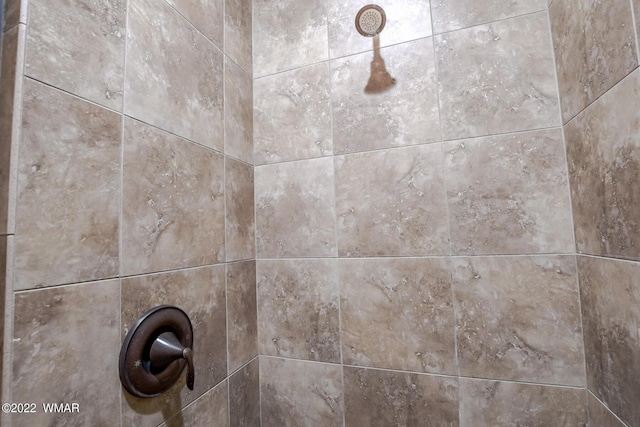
(166, 349)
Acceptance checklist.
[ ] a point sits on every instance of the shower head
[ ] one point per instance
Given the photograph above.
(370, 20)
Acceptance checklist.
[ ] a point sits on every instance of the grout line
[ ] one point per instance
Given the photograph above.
(635, 20)
(606, 408)
(583, 341)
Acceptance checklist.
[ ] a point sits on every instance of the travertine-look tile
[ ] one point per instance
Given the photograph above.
(242, 322)
(211, 409)
(449, 15)
(201, 294)
(174, 76)
(603, 152)
(406, 20)
(384, 398)
(244, 399)
(65, 349)
(298, 309)
(518, 318)
(240, 218)
(610, 292)
(509, 194)
(295, 213)
(497, 78)
(412, 299)
(293, 115)
(595, 48)
(5, 241)
(238, 119)
(173, 202)
(288, 34)
(238, 27)
(493, 403)
(78, 46)
(392, 202)
(206, 15)
(15, 11)
(600, 415)
(405, 114)
(68, 197)
(296, 393)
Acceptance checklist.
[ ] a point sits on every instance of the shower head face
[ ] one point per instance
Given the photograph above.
(370, 20)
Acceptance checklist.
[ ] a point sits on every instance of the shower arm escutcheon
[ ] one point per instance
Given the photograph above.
(155, 352)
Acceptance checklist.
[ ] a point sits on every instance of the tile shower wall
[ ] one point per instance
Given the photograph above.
(597, 56)
(127, 182)
(415, 249)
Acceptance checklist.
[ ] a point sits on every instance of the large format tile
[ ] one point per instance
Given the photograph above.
(450, 15)
(296, 393)
(244, 396)
(242, 323)
(238, 118)
(78, 46)
(497, 78)
(384, 398)
(298, 314)
(518, 318)
(211, 409)
(173, 202)
(412, 299)
(496, 404)
(206, 15)
(65, 350)
(288, 34)
(293, 115)
(610, 292)
(174, 75)
(238, 27)
(405, 114)
(509, 194)
(201, 294)
(406, 20)
(600, 415)
(295, 214)
(392, 203)
(240, 218)
(68, 196)
(603, 152)
(595, 48)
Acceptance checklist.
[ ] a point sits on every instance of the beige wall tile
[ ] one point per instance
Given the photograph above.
(509, 194)
(599, 415)
(392, 203)
(211, 409)
(449, 15)
(68, 197)
(497, 78)
(238, 32)
(240, 218)
(611, 317)
(406, 20)
(603, 152)
(65, 350)
(288, 34)
(594, 45)
(78, 46)
(244, 396)
(298, 393)
(174, 77)
(238, 119)
(295, 213)
(201, 294)
(398, 314)
(298, 309)
(242, 323)
(293, 115)
(379, 398)
(518, 318)
(406, 114)
(173, 202)
(206, 15)
(492, 403)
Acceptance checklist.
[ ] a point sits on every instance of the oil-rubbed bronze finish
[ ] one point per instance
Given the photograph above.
(156, 350)
(370, 20)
